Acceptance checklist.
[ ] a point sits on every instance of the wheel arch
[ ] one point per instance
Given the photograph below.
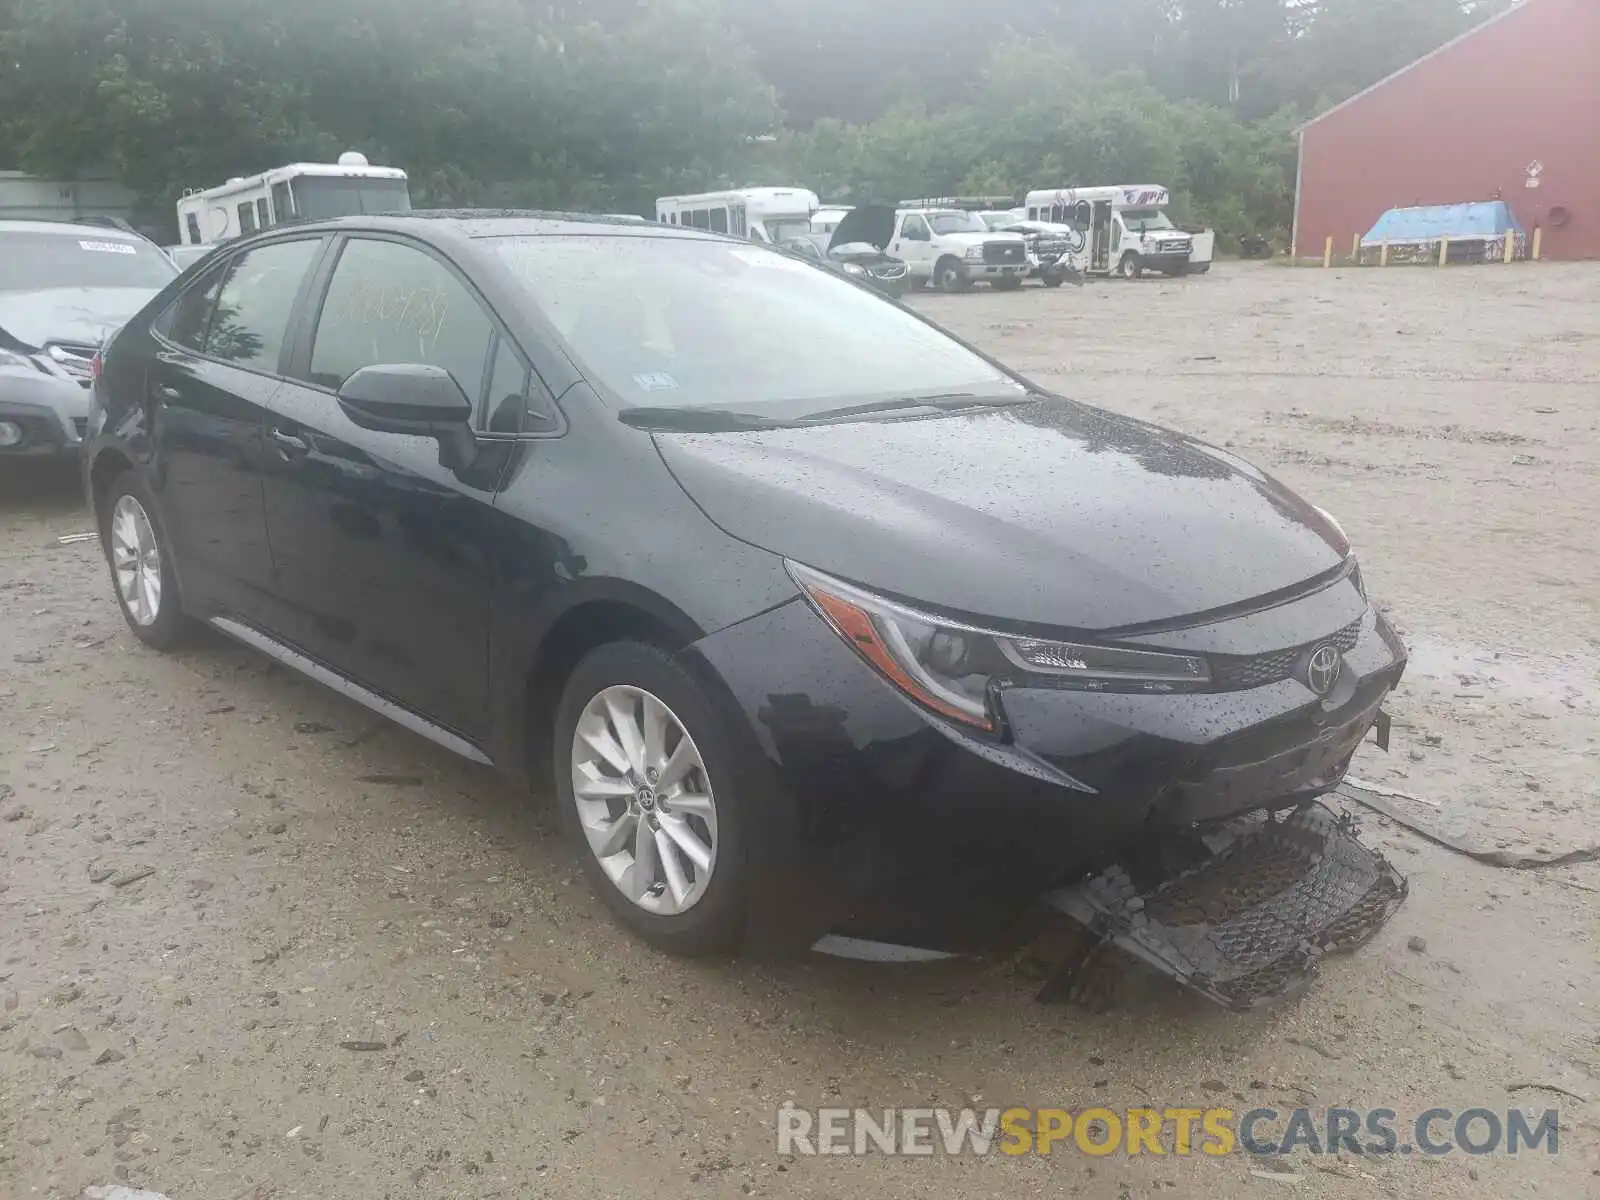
(605, 611)
(107, 465)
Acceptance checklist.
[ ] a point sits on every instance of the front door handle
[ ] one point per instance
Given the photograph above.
(168, 394)
(290, 446)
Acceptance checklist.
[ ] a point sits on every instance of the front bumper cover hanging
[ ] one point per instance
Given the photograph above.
(1246, 925)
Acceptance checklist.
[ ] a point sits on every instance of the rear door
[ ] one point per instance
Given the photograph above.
(381, 553)
(216, 364)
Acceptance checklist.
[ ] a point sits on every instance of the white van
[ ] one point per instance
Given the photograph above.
(764, 214)
(307, 191)
(1127, 230)
(953, 249)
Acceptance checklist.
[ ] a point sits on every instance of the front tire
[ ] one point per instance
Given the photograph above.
(651, 785)
(1131, 266)
(950, 275)
(139, 554)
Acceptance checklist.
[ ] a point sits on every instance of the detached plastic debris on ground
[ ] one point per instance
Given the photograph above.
(1242, 913)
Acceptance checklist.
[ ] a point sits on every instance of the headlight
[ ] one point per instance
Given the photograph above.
(974, 252)
(9, 358)
(854, 269)
(1343, 539)
(953, 668)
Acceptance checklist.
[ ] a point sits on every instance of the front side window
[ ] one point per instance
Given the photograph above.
(680, 323)
(916, 229)
(391, 303)
(257, 299)
(282, 206)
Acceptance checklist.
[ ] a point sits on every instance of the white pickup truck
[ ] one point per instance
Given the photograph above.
(953, 249)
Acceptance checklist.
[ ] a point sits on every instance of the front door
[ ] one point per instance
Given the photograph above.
(1101, 230)
(913, 243)
(213, 373)
(381, 553)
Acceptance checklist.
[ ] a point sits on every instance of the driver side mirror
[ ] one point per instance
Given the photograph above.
(417, 399)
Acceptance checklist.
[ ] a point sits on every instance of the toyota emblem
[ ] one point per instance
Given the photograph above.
(1323, 669)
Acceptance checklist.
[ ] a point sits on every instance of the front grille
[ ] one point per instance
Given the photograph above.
(1000, 253)
(892, 271)
(1232, 673)
(74, 359)
(80, 426)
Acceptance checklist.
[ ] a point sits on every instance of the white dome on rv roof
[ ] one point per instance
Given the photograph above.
(352, 158)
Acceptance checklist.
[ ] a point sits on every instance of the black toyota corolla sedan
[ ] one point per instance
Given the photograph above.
(816, 621)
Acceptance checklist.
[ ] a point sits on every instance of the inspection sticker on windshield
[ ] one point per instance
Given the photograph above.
(655, 381)
(109, 247)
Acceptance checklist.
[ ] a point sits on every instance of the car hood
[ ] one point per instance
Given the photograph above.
(77, 316)
(1052, 514)
(869, 223)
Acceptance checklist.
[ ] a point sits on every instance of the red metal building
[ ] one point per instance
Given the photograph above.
(1508, 111)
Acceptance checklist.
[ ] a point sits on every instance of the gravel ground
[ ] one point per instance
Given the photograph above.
(254, 942)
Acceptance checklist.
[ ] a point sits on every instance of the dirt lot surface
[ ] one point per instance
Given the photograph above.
(254, 942)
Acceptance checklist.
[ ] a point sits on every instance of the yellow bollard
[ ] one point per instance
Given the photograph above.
(1355, 248)
(1444, 251)
(1538, 241)
(1511, 245)
(1327, 252)
(1383, 254)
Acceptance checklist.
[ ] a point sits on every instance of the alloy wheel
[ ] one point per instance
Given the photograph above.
(136, 560)
(644, 799)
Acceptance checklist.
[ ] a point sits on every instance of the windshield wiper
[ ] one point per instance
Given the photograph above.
(697, 420)
(939, 402)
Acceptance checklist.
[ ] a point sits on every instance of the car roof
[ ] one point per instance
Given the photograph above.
(100, 233)
(487, 222)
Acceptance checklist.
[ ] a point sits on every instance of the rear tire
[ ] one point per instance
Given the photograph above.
(1005, 284)
(144, 577)
(1053, 281)
(950, 275)
(703, 800)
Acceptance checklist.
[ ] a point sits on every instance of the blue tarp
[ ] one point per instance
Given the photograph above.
(1434, 222)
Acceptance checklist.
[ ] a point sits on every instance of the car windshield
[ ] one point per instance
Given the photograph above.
(318, 197)
(1000, 220)
(803, 247)
(1142, 220)
(957, 223)
(90, 259)
(685, 323)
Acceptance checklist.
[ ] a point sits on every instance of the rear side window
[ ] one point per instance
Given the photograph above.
(192, 224)
(393, 303)
(256, 301)
(247, 217)
(185, 322)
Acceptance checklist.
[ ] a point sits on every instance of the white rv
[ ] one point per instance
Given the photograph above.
(1125, 229)
(763, 214)
(303, 191)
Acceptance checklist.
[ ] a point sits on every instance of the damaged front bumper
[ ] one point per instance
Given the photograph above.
(1247, 917)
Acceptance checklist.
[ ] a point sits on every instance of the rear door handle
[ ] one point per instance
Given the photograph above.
(289, 445)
